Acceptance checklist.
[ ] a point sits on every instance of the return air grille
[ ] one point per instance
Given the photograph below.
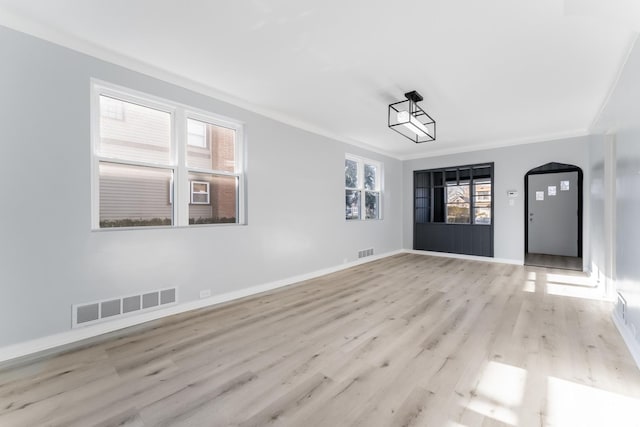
(365, 253)
(100, 311)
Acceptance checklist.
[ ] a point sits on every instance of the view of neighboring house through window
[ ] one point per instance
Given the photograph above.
(363, 178)
(482, 202)
(196, 134)
(147, 174)
(456, 195)
(458, 207)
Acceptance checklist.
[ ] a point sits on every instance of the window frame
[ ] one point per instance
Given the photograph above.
(437, 180)
(361, 188)
(180, 191)
(469, 204)
(207, 192)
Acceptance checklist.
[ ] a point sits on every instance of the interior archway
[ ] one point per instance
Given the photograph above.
(554, 216)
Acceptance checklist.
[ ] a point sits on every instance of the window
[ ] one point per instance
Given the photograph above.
(111, 108)
(363, 180)
(460, 195)
(458, 206)
(199, 193)
(196, 133)
(159, 163)
(482, 202)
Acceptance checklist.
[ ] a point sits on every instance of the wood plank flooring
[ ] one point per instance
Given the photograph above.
(408, 340)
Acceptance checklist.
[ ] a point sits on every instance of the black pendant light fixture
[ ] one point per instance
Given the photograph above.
(409, 120)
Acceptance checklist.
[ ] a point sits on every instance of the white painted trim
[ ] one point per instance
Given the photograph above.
(179, 113)
(64, 39)
(90, 331)
(361, 161)
(632, 344)
(466, 257)
(500, 144)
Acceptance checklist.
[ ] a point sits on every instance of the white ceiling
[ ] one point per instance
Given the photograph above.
(492, 72)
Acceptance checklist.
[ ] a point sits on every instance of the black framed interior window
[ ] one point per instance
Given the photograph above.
(454, 209)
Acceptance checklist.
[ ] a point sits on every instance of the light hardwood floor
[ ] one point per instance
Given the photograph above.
(408, 340)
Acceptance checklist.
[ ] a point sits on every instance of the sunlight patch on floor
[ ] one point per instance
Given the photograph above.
(499, 393)
(570, 404)
(566, 279)
(530, 283)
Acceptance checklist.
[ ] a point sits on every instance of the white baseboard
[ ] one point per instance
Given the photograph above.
(50, 342)
(627, 335)
(467, 257)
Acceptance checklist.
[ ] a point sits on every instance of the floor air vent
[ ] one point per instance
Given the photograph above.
(365, 252)
(98, 311)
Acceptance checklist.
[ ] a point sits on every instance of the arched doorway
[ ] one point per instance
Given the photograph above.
(553, 216)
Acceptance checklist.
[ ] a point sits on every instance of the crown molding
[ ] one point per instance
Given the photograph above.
(500, 144)
(64, 39)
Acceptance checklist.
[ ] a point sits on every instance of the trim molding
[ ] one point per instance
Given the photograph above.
(51, 342)
(506, 143)
(466, 257)
(632, 344)
(63, 38)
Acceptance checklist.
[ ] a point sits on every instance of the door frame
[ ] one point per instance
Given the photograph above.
(547, 169)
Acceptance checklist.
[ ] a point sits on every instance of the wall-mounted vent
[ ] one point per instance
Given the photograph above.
(621, 307)
(113, 308)
(365, 252)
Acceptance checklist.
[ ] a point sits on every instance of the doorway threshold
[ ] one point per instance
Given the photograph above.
(554, 261)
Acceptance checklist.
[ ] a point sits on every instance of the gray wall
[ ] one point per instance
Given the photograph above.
(621, 116)
(49, 258)
(511, 165)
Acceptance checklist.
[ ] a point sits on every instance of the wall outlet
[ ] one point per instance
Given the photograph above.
(206, 293)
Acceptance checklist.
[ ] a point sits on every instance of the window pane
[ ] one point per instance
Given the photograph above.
(211, 147)
(370, 177)
(482, 202)
(219, 205)
(482, 216)
(482, 191)
(196, 134)
(458, 213)
(438, 179)
(458, 207)
(372, 204)
(465, 174)
(422, 215)
(352, 203)
(350, 173)
(481, 172)
(458, 194)
(451, 176)
(133, 132)
(134, 196)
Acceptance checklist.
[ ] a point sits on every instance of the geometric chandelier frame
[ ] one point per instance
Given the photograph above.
(409, 120)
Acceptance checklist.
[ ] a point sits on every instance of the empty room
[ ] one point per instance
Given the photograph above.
(320, 213)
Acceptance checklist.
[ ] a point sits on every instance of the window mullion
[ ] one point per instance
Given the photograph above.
(95, 162)
(361, 186)
(181, 184)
